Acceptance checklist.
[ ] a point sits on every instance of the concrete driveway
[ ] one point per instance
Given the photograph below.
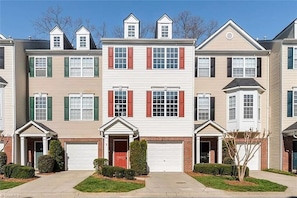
(157, 185)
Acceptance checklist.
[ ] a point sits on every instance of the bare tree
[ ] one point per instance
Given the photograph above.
(4, 140)
(187, 25)
(249, 142)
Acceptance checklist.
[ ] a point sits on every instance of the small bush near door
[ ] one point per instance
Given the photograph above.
(218, 169)
(18, 171)
(138, 157)
(46, 164)
(99, 163)
(57, 152)
(119, 172)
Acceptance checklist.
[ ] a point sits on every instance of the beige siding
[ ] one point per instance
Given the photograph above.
(59, 87)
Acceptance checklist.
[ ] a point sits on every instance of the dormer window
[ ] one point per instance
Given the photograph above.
(57, 41)
(164, 31)
(83, 41)
(131, 31)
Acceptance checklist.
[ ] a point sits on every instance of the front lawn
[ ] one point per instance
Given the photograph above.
(9, 184)
(230, 184)
(101, 184)
(280, 172)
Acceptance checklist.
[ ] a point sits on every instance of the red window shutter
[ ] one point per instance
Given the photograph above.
(130, 57)
(181, 58)
(110, 58)
(110, 103)
(149, 104)
(149, 58)
(130, 103)
(181, 104)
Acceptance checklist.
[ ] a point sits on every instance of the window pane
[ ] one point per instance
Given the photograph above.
(131, 31)
(40, 66)
(75, 108)
(83, 41)
(87, 66)
(40, 108)
(56, 41)
(203, 108)
(120, 103)
(75, 66)
(295, 58)
(87, 108)
(248, 106)
(171, 103)
(164, 31)
(172, 58)
(203, 67)
(232, 108)
(158, 103)
(295, 103)
(159, 58)
(250, 67)
(237, 65)
(120, 58)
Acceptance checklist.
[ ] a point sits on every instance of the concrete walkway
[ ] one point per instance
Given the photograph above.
(157, 185)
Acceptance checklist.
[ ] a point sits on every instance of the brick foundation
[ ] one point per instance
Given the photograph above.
(8, 148)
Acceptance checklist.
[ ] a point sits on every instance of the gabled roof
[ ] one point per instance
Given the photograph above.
(116, 120)
(291, 130)
(200, 127)
(131, 15)
(238, 29)
(2, 36)
(243, 83)
(165, 16)
(58, 30)
(2, 81)
(41, 127)
(83, 30)
(289, 32)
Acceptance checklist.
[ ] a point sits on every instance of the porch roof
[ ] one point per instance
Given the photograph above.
(2, 81)
(118, 126)
(200, 127)
(291, 130)
(35, 129)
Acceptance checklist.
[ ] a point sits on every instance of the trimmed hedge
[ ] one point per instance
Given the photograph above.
(3, 161)
(46, 164)
(138, 157)
(99, 163)
(18, 171)
(218, 169)
(57, 152)
(119, 172)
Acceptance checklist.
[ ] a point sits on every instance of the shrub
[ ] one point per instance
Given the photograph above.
(108, 171)
(3, 161)
(138, 156)
(119, 172)
(46, 164)
(218, 169)
(9, 168)
(23, 172)
(99, 163)
(228, 160)
(130, 174)
(57, 152)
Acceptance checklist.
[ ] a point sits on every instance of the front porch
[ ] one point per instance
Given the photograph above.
(290, 148)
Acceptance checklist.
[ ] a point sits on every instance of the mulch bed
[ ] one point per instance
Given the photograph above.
(2, 178)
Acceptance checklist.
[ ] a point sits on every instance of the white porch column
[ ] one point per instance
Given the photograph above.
(23, 152)
(220, 150)
(131, 139)
(197, 149)
(45, 145)
(106, 156)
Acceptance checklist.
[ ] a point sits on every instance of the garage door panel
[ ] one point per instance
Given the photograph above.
(165, 157)
(80, 156)
(254, 163)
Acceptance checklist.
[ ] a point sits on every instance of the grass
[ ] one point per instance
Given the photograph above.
(9, 184)
(280, 172)
(96, 184)
(249, 185)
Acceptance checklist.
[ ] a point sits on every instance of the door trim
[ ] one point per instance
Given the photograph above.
(35, 158)
(113, 148)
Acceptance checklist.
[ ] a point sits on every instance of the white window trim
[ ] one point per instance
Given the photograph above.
(164, 32)
(131, 32)
(80, 41)
(253, 107)
(35, 70)
(81, 96)
(165, 58)
(54, 42)
(295, 58)
(209, 65)
(114, 58)
(46, 108)
(203, 95)
(244, 66)
(165, 90)
(235, 116)
(81, 66)
(114, 103)
(293, 103)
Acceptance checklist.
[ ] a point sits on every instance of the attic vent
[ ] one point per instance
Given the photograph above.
(229, 35)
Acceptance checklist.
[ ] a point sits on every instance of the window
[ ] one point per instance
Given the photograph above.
(165, 58)
(81, 107)
(164, 31)
(40, 66)
(203, 66)
(40, 107)
(131, 31)
(165, 103)
(244, 67)
(120, 57)
(56, 41)
(248, 103)
(83, 41)
(295, 58)
(295, 103)
(1, 103)
(120, 103)
(232, 107)
(81, 67)
(203, 107)
(1, 57)
(259, 108)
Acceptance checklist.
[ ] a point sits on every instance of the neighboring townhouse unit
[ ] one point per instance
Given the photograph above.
(13, 90)
(231, 92)
(64, 88)
(283, 98)
(147, 93)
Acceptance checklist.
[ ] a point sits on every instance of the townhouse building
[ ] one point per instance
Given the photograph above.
(283, 98)
(13, 90)
(179, 97)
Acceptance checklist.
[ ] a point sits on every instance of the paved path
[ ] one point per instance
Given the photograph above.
(60, 185)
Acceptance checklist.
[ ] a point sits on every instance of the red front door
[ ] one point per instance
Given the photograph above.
(120, 153)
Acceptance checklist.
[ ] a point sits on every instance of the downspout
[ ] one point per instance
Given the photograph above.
(268, 110)
(281, 111)
(13, 148)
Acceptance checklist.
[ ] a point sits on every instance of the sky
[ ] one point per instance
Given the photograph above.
(260, 19)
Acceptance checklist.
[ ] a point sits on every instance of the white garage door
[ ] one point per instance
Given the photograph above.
(165, 157)
(80, 156)
(254, 163)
